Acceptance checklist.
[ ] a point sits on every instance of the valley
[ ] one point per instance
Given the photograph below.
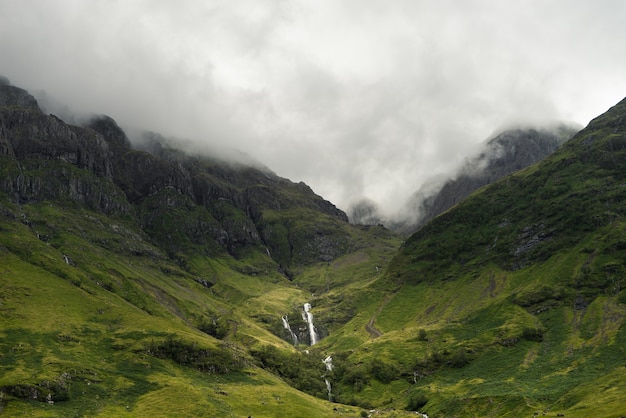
(139, 281)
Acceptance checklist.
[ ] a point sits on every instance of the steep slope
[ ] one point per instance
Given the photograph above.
(507, 152)
(150, 282)
(504, 154)
(217, 205)
(512, 303)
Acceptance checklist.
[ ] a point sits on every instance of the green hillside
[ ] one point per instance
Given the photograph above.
(147, 282)
(108, 332)
(152, 283)
(513, 302)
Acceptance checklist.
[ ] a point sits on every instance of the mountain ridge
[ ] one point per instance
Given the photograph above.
(525, 274)
(152, 283)
(124, 176)
(508, 151)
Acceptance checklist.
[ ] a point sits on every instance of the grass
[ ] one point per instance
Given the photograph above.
(510, 304)
(94, 317)
(70, 327)
(490, 313)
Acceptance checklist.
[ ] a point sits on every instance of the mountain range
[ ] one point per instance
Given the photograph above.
(136, 279)
(505, 153)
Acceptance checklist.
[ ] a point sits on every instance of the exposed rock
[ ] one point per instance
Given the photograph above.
(45, 391)
(15, 96)
(181, 201)
(29, 134)
(506, 153)
(365, 212)
(110, 130)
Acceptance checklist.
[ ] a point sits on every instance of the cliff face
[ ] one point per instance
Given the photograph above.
(504, 154)
(44, 158)
(183, 202)
(15, 96)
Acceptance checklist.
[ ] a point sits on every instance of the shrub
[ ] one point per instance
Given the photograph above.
(459, 358)
(416, 401)
(532, 334)
(357, 378)
(219, 361)
(217, 328)
(421, 335)
(300, 371)
(383, 372)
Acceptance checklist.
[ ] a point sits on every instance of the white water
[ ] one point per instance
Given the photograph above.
(288, 328)
(66, 258)
(330, 390)
(307, 317)
(328, 362)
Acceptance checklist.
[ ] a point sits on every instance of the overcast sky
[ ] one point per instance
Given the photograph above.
(354, 97)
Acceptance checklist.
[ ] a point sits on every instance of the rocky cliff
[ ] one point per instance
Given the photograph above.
(190, 203)
(504, 154)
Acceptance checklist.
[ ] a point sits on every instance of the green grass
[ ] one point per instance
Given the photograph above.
(510, 304)
(89, 325)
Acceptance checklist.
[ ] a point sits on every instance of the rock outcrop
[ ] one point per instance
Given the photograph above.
(183, 202)
(504, 154)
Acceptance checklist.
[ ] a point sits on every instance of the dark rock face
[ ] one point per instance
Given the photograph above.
(184, 203)
(15, 96)
(52, 160)
(30, 134)
(365, 212)
(506, 153)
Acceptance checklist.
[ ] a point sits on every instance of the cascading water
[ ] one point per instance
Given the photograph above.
(329, 388)
(307, 317)
(288, 328)
(328, 362)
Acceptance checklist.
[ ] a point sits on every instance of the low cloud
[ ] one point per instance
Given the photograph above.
(355, 98)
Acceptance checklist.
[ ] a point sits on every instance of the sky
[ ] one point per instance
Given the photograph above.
(357, 98)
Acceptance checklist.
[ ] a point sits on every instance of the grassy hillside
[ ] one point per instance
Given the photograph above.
(513, 302)
(155, 284)
(98, 321)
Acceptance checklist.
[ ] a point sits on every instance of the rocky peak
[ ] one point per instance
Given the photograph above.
(110, 130)
(504, 154)
(26, 133)
(515, 149)
(15, 96)
(185, 203)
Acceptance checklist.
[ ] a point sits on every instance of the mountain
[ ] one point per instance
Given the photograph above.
(513, 301)
(138, 280)
(504, 154)
(224, 206)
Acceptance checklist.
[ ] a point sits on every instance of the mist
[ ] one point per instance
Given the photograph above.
(358, 99)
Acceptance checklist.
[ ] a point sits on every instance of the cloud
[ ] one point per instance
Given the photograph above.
(356, 98)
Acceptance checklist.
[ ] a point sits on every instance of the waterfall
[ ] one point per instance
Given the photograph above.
(288, 328)
(307, 316)
(329, 388)
(328, 362)
(66, 258)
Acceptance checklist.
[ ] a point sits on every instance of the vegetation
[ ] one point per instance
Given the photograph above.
(512, 303)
